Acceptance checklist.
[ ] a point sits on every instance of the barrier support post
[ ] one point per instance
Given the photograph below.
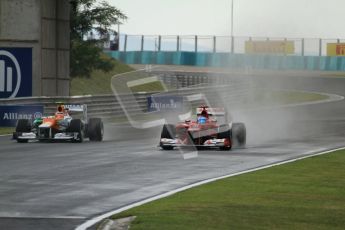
(125, 45)
(232, 44)
(302, 47)
(320, 47)
(159, 43)
(214, 44)
(196, 44)
(142, 43)
(178, 43)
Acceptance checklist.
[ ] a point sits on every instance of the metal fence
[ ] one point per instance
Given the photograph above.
(195, 43)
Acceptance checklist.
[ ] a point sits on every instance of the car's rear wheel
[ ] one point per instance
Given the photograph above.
(239, 134)
(224, 132)
(95, 130)
(169, 132)
(23, 126)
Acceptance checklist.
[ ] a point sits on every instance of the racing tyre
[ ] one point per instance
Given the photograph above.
(239, 134)
(76, 126)
(169, 132)
(95, 129)
(23, 126)
(224, 131)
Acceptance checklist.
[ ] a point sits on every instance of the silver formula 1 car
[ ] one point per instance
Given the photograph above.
(61, 126)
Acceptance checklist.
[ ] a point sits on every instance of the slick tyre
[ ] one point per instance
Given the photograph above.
(239, 134)
(23, 126)
(168, 132)
(95, 130)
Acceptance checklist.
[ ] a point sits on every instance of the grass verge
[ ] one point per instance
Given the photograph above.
(282, 97)
(6, 130)
(99, 82)
(308, 194)
(290, 97)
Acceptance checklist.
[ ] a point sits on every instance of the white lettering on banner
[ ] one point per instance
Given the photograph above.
(6, 74)
(16, 116)
(38, 115)
(9, 80)
(74, 107)
(2, 76)
(160, 105)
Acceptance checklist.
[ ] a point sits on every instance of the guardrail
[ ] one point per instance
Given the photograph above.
(108, 105)
(100, 105)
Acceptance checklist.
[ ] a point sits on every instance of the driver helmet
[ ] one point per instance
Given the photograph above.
(60, 109)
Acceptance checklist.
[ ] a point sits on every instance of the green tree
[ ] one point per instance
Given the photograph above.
(88, 16)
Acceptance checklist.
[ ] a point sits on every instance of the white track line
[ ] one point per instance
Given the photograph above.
(42, 217)
(97, 219)
(5, 135)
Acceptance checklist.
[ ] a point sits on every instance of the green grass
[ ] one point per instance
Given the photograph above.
(149, 87)
(336, 74)
(6, 130)
(277, 97)
(308, 194)
(99, 82)
(288, 97)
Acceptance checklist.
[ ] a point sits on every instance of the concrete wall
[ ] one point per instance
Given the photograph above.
(55, 47)
(44, 26)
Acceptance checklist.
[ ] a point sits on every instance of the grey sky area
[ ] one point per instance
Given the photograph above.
(262, 18)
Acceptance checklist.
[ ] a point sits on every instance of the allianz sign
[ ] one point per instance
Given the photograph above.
(9, 114)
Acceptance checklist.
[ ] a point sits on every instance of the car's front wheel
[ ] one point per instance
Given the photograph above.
(23, 126)
(76, 126)
(224, 132)
(168, 132)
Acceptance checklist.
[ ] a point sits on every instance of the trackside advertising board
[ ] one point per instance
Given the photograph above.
(335, 49)
(164, 103)
(9, 114)
(15, 72)
(270, 47)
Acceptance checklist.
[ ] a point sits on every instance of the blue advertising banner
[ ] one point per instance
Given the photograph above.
(9, 114)
(164, 103)
(15, 72)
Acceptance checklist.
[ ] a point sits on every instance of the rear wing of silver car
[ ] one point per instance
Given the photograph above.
(78, 108)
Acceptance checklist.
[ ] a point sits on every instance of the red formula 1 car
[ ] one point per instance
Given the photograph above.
(204, 132)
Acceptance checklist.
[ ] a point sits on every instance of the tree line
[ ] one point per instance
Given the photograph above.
(90, 16)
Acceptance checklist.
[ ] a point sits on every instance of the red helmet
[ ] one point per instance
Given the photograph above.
(61, 108)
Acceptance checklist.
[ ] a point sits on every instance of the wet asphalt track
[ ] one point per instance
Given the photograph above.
(60, 185)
